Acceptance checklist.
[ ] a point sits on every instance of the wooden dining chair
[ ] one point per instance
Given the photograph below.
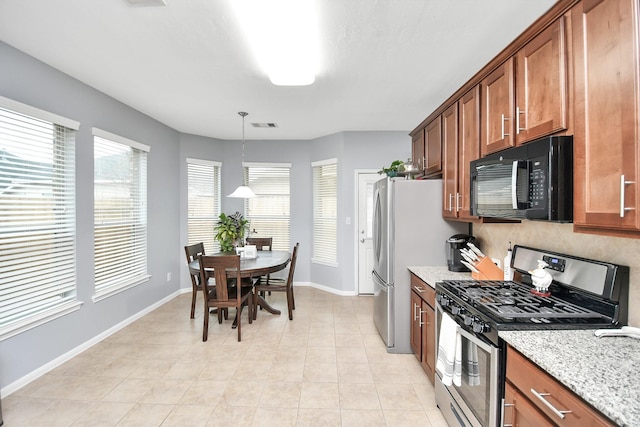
(225, 294)
(261, 243)
(264, 244)
(287, 286)
(193, 252)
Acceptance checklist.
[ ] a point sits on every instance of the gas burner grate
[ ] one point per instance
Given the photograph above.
(512, 300)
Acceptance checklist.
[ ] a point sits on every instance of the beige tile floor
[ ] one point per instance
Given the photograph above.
(327, 367)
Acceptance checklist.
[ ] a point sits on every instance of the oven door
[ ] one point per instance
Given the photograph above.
(476, 402)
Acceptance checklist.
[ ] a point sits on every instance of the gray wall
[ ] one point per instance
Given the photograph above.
(27, 80)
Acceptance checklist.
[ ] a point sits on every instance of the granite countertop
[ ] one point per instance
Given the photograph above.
(603, 371)
(431, 275)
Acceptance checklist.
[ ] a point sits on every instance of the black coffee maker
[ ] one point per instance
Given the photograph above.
(454, 244)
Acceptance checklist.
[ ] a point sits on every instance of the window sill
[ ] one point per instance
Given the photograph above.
(39, 319)
(117, 288)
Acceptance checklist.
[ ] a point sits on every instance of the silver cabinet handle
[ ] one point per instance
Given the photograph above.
(450, 202)
(415, 311)
(421, 313)
(503, 120)
(555, 410)
(623, 209)
(418, 289)
(518, 112)
(505, 405)
(458, 196)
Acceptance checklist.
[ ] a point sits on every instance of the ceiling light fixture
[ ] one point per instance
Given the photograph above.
(283, 35)
(243, 191)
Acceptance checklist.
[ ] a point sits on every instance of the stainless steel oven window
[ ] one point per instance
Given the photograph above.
(479, 403)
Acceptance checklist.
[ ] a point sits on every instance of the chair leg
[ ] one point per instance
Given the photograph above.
(251, 309)
(193, 302)
(205, 328)
(293, 299)
(290, 303)
(239, 317)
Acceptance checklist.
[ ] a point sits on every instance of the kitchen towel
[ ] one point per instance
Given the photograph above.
(449, 363)
(470, 367)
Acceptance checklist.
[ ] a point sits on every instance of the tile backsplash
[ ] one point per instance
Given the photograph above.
(494, 240)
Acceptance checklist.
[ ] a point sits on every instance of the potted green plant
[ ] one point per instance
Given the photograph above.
(230, 231)
(392, 170)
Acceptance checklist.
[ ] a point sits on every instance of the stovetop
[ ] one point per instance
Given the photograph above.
(513, 302)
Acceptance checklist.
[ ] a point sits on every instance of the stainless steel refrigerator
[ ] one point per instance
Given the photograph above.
(408, 229)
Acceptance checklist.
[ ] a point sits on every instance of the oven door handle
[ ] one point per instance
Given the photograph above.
(484, 346)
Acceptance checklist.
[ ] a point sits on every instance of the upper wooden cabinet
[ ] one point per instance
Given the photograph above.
(498, 109)
(450, 162)
(541, 85)
(606, 146)
(526, 97)
(433, 147)
(417, 150)
(461, 145)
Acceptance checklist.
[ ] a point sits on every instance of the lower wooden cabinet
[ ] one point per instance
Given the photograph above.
(423, 325)
(534, 398)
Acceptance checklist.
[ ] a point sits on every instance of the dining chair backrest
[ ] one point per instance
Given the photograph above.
(193, 251)
(261, 243)
(224, 267)
(292, 265)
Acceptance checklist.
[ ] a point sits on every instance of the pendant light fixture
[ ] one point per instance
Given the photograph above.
(243, 191)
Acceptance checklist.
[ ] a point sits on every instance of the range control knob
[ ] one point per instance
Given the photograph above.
(480, 327)
(468, 320)
(443, 301)
(456, 310)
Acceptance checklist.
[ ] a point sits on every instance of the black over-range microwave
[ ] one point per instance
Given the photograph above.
(531, 181)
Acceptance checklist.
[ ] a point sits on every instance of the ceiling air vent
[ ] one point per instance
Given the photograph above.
(264, 125)
(146, 2)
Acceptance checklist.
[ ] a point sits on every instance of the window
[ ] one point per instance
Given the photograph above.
(325, 212)
(37, 217)
(203, 206)
(268, 214)
(120, 213)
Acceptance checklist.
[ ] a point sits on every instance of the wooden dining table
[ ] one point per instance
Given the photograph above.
(264, 263)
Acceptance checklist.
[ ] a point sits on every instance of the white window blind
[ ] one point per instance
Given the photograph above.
(120, 213)
(325, 210)
(269, 213)
(203, 182)
(37, 217)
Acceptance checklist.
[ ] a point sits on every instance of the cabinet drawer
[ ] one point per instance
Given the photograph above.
(426, 292)
(539, 387)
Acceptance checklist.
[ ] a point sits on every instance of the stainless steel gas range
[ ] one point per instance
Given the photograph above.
(584, 294)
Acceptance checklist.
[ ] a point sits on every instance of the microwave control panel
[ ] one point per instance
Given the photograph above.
(537, 185)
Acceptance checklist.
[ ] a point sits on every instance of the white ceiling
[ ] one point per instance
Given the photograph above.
(386, 64)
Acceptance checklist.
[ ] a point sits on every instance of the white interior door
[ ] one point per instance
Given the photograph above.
(365, 228)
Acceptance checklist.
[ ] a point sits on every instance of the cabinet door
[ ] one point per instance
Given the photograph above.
(541, 91)
(605, 49)
(497, 114)
(433, 147)
(417, 150)
(416, 330)
(450, 200)
(519, 412)
(468, 147)
(428, 341)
